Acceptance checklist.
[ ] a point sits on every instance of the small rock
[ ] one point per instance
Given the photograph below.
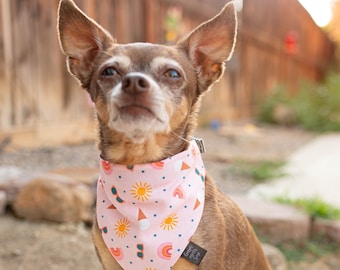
(3, 202)
(275, 257)
(12, 179)
(55, 198)
(327, 228)
(9, 172)
(275, 222)
(16, 252)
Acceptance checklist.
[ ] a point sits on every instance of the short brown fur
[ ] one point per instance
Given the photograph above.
(199, 60)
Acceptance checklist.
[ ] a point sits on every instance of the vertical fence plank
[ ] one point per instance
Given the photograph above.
(7, 76)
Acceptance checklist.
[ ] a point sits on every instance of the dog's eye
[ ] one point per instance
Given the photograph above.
(108, 72)
(172, 73)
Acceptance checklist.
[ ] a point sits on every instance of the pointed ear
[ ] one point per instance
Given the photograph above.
(81, 39)
(210, 44)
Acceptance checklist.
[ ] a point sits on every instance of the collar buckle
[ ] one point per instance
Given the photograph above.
(200, 144)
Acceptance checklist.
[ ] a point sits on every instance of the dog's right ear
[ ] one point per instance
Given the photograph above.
(211, 44)
(81, 39)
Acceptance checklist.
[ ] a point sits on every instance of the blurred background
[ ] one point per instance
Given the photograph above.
(279, 45)
(280, 93)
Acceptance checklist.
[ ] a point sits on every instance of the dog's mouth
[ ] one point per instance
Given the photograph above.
(136, 110)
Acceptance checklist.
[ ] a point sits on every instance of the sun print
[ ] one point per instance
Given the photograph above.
(122, 227)
(170, 222)
(141, 191)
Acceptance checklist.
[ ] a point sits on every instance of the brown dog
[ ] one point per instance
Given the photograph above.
(147, 97)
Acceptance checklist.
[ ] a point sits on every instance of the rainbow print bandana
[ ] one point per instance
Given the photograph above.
(147, 213)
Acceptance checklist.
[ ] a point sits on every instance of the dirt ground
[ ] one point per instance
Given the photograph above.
(26, 245)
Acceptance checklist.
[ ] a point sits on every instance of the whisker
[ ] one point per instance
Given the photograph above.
(180, 137)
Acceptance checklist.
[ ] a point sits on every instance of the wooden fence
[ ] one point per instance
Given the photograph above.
(266, 56)
(36, 90)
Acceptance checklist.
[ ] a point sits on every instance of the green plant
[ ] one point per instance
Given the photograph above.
(315, 106)
(279, 96)
(307, 251)
(315, 207)
(257, 171)
(266, 170)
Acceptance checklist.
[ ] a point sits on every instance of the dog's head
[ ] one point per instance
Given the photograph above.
(146, 95)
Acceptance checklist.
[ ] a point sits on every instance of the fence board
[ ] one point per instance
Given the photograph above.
(6, 64)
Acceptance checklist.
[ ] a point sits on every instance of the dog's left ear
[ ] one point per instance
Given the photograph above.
(81, 40)
(211, 44)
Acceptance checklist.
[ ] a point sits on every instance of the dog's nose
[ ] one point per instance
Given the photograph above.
(135, 84)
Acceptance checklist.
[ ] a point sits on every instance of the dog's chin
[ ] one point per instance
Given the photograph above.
(138, 124)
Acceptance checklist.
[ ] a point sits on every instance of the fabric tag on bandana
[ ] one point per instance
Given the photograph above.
(147, 213)
(194, 253)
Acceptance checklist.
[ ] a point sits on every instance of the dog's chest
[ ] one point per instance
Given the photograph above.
(148, 213)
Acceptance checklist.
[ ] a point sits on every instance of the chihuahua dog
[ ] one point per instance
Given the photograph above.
(156, 207)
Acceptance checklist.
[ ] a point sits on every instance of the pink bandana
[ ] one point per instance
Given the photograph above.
(147, 213)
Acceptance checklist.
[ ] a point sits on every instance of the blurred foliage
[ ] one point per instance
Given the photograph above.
(267, 107)
(308, 251)
(316, 106)
(315, 207)
(257, 171)
(266, 170)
